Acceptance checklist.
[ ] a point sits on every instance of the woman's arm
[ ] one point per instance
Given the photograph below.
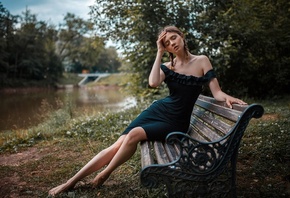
(219, 95)
(215, 89)
(156, 76)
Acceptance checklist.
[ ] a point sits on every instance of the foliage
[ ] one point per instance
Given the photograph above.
(74, 47)
(34, 53)
(80, 48)
(29, 50)
(247, 41)
(133, 24)
(249, 45)
(108, 61)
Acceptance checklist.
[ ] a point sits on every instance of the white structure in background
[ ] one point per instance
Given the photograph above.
(91, 77)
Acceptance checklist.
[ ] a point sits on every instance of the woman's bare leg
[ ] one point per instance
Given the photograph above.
(100, 160)
(125, 152)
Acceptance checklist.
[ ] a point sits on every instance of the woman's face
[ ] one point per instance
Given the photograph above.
(173, 42)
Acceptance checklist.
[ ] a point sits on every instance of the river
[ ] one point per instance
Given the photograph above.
(22, 109)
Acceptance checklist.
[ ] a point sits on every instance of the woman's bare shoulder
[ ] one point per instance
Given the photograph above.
(203, 60)
(167, 64)
(204, 63)
(202, 57)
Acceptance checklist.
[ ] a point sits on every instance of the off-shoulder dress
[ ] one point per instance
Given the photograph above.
(173, 112)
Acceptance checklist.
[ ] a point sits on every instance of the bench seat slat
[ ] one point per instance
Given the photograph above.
(160, 153)
(171, 151)
(147, 158)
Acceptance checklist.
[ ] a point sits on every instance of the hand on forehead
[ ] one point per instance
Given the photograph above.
(168, 35)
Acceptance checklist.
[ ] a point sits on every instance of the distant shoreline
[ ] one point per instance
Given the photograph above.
(26, 90)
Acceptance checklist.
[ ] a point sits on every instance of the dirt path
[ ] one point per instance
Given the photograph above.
(16, 172)
(20, 158)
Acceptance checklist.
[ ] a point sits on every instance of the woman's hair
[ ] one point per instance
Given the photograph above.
(176, 30)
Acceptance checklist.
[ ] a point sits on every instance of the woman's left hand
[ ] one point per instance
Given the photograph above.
(231, 100)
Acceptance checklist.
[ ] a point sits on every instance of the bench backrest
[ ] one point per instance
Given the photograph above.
(219, 130)
(212, 120)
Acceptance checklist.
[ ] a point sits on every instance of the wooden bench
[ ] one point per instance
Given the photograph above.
(201, 163)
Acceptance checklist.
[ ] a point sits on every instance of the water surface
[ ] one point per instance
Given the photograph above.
(22, 109)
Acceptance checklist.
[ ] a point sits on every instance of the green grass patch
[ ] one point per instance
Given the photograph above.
(117, 79)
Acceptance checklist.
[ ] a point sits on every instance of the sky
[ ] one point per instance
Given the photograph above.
(50, 11)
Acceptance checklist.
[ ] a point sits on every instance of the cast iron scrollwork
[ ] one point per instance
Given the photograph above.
(196, 157)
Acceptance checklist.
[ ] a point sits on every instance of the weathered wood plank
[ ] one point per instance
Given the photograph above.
(213, 121)
(160, 153)
(204, 130)
(171, 152)
(147, 158)
(193, 132)
(237, 107)
(226, 112)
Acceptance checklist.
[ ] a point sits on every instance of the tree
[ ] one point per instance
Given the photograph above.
(7, 22)
(247, 41)
(108, 61)
(34, 49)
(29, 50)
(32, 52)
(135, 24)
(249, 45)
(78, 45)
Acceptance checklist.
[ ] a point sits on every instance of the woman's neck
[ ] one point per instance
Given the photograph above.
(182, 59)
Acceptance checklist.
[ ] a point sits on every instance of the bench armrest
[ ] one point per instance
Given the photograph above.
(195, 157)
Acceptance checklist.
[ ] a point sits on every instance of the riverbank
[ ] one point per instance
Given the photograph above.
(24, 107)
(35, 160)
(71, 80)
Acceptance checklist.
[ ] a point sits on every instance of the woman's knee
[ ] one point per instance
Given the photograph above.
(117, 144)
(136, 135)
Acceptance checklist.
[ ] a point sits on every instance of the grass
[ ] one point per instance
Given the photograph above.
(116, 79)
(59, 147)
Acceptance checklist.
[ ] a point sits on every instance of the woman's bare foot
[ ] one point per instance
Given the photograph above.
(59, 189)
(99, 179)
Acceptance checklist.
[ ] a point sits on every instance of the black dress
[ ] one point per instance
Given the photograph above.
(173, 112)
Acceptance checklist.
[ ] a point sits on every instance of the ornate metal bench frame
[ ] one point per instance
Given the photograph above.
(201, 163)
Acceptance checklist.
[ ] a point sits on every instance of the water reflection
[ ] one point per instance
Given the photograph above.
(24, 109)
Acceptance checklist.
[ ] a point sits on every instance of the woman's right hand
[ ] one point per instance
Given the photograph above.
(159, 42)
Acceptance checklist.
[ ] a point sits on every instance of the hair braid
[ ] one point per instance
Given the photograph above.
(171, 57)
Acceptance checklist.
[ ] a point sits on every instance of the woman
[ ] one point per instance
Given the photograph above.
(184, 75)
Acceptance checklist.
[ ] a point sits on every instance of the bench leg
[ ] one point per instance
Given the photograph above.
(233, 173)
(189, 189)
(187, 186)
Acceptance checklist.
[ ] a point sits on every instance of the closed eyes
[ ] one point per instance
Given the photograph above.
(173, 37)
